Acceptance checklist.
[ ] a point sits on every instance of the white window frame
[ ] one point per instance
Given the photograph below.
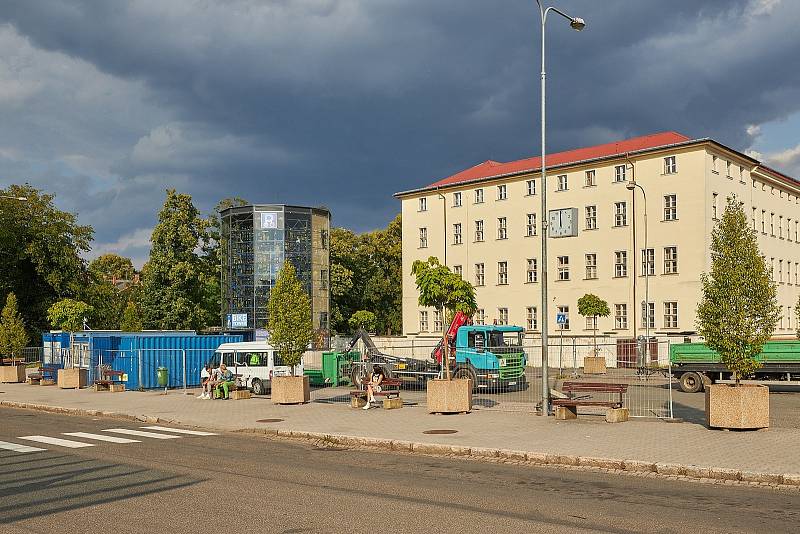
(423, 204)
(591, 217)
(590, 178)
(457, 238)
(530, 187)
(671, 207)
(502, 273)
(620, 173)
(671, 314)
(620, 263)
(479, 234)
(671, 259)
(479, 196)
(648, 262)
(423, 237)
(563, 268)
(620, 214)
(530, 225)
(502, 228)
(670, 165)
(423, 321)
(531, 271)
(651, 315)
(502, 316)
(563, 183)
(502, 192)
(531, 318)
(591, 265)
(480, 275)
(621, 316)
(457, 199)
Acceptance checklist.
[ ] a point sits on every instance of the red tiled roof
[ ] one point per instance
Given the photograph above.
(494, 168)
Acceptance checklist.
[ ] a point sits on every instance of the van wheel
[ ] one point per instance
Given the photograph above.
(258, 387)
(691, 382)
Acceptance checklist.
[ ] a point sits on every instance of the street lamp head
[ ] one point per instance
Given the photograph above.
(630, 186)
(577, 24)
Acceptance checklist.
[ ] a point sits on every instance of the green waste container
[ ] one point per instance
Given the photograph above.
(163, 376)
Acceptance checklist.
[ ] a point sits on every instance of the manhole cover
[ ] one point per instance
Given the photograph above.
(440, 431)
(269, 420)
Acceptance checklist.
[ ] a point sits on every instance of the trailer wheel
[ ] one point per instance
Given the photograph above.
(691, 382)
(258, 387)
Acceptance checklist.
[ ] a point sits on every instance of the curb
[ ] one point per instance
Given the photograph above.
(638, 467)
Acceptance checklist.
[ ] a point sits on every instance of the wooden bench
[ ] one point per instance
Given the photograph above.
(572, 402)
(45, 376)
(390, 389)
(110, 381)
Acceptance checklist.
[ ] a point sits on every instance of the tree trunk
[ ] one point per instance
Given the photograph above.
(445, 347)
(594, 336)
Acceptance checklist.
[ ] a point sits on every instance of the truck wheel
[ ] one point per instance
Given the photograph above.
(691, 382)
(258, 387)
(466, 372)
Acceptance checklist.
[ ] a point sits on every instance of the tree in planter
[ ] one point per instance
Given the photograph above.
(445, 291)
(289, 324)
(593, 306)
(69, 314)
(363, 319)
(13, 337)
(738, 311)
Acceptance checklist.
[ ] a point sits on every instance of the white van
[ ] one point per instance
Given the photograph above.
(256, 362)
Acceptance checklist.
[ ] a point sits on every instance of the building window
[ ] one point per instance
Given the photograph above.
(789, 228)
(423, 204)
(728, 169)
(620, 214)
(753, 215)
(532, 273)
(480, 316)
(763, 222)
(620, 264)
(714, 205)
(479, 275)
(670, 165)
(619, 173)
(502, 192)
(714, 165)
(437, 321)
(563, 267)
(457, 233)
(423, 238)
(591, 322)
(591, 179)
(458, 270)
(621, 316)
(323, 279)
(478, 196)
(502, 316)
(456, 200)
(530, 187)
(591, 217)
(741, 175)
(423, 321)
(564, 310)
(670, 207)
(323, 238)
(531, 319)
(670, 315)
(502, 231)
(502, 273)
(772, 224)
(648, 314)
(780, 226)
(591, 266)
(562, 182)
(478, 230)
(670, 260)
(648, 262)
(530, 226)
(780, 271)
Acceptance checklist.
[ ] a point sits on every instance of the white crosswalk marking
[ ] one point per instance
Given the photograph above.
(179, 431)
(99, 437)
(57, 441)
(140, 433)
(18, 448)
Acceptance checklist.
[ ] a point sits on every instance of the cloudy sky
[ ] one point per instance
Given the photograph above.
(344, 102)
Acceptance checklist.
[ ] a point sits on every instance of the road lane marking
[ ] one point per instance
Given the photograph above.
(180, 431)
(58, 441)
(98, 437)
(18, 448)
(139, 433)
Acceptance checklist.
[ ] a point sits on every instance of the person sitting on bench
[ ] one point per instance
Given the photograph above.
(374, 385)
(224, 383)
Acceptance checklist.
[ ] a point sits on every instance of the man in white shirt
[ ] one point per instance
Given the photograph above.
(205, 379)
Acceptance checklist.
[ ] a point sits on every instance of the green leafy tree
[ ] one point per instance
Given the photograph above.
(593, 306)
(112, 267)
(13, 337)
(40, 252)
(363, 319)
(174, 284)
(69, 315)
(289, 309)
(131, 320)
(738, 311)
(445, 291)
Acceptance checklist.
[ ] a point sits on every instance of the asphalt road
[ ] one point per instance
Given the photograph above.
(230, 482)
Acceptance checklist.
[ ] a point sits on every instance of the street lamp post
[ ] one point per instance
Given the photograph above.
(631, 186)
(577, 24)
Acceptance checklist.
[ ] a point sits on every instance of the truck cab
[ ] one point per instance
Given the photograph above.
(492, 356)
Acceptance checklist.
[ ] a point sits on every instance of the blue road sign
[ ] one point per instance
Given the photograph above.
(561, 318)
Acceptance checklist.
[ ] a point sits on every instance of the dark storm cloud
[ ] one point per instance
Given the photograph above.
(343, 102)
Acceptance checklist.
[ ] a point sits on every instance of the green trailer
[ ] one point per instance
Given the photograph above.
(695, 365)
(335, 369)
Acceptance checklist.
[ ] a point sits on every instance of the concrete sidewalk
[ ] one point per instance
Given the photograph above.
(647, 445)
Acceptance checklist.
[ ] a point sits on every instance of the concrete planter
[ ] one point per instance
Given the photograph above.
(594, 365)
(450, 396)
(290, 390)
(742, 407)
(73, 378)
(12, 373)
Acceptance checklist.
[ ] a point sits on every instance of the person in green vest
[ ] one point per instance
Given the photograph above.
(254, 359)
(225, 382)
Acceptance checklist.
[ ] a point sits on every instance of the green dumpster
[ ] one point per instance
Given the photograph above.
(163, 376)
